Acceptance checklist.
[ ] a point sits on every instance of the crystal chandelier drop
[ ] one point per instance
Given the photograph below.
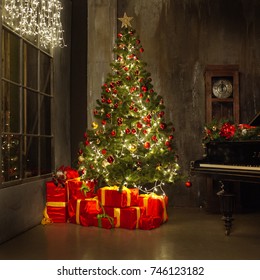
(36, 18)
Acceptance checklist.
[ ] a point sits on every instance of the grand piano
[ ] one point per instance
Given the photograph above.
(230, 161)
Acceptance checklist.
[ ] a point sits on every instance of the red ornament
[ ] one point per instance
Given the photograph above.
(113, 133)
(87, 143)
(127, 131)
(144, 88)
(119, 35)
(141, 50)
(154, 138)
(139, 125)
(163, 125)
(161, 114)
(188, 184)
(104, 151)
(132, 89)
(133, 131)
(104, 122)
(119, 121)
(147, 145)
(168, 143)
(110, 159)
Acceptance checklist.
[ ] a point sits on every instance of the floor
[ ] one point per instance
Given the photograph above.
(190, 234)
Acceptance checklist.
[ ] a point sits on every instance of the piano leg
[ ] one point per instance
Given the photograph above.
(226, 207)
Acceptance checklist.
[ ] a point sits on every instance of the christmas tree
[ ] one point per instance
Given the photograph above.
(130, 143)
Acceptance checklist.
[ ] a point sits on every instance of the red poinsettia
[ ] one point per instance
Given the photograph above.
(227, 130)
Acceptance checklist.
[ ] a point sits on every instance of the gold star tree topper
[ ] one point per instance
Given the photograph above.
(126, 21)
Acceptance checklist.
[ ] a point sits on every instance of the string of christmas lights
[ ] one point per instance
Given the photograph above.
(40, 18)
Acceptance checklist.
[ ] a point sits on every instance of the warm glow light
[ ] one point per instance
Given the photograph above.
(36, 18)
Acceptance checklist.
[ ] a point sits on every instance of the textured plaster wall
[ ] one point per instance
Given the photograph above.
(180, 38)
(102, 20)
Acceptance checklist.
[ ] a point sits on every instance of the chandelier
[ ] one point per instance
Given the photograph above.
(36, 18)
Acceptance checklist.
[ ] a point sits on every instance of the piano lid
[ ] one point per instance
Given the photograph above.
(256, 120)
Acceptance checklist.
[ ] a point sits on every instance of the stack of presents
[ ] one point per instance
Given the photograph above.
(108, 207)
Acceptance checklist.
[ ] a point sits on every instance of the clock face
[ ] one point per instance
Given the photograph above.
(222, 88)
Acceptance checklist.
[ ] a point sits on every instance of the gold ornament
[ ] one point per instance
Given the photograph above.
(159, 167)
(94, 125)
(81, 158)
(132, 148)
(125, 21)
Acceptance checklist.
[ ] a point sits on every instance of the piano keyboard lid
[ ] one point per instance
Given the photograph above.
(256, 120)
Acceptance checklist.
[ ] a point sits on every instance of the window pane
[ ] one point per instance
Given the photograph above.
(30, 66)
(45, 111)
(10, 107)
(10, 63)
(45, 73)
(46, 165)
(31, 112)
(10, 157)
(31, 156)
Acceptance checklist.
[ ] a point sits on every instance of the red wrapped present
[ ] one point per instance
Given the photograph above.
(104, 221)
(83, 211)
(127, 217)
(56, 203)
(55, 193)
(155, 205)
(75, 190)
(112, 197)
(147, 222)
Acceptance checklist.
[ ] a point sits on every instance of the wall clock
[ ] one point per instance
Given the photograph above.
(222, 92)
(222, 88)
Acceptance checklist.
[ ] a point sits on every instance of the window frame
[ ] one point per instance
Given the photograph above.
(40, 96)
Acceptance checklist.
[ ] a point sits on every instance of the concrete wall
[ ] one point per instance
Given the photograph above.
(21, 206)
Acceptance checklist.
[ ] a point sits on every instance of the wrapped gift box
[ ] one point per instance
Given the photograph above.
(75, 189)
(155, 205)
(104, 221)
(127, 217)
(83, 211)
(147, 222)
(112, 197)
(56, 203)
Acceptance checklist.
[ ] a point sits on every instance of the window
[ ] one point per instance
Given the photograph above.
(26, 101)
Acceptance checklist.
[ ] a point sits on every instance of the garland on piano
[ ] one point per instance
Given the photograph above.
(226, 130)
